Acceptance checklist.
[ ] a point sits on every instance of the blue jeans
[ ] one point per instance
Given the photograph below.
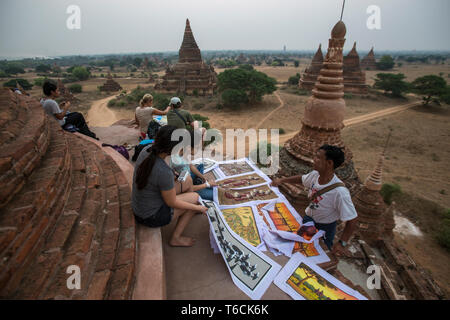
(329, 228)
(207, 193)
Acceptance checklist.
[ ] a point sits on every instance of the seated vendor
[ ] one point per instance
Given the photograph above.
(332, 205)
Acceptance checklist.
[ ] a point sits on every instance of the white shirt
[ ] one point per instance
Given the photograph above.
(332, 205)
(52, 107)
(144, 116)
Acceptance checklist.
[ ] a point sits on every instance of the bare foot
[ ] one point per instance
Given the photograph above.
(182, 242)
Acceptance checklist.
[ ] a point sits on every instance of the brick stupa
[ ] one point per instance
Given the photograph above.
(322, 124)
(190, 73)
(311, 73)
(369, 62)
(110, 85)
(354, 77)
(370, 205)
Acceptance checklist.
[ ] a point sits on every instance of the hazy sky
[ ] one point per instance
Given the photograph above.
(38, 27)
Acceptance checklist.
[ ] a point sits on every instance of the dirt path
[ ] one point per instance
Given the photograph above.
(273, 111)
(363, 118)
(99, 115)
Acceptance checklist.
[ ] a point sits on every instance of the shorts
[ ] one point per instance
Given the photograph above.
(159, 219)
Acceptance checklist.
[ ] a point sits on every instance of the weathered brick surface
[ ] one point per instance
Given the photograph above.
(98, 285)
(80, 241)
(108, 251)
(62, 231)
(74, 209)
(121, 282)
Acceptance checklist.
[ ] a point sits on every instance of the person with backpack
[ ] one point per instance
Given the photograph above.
(178, 117)
(144, 113)
(63, 116)
(154, 199)
(329, 199)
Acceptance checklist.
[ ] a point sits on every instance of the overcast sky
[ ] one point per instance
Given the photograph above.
(38, 27)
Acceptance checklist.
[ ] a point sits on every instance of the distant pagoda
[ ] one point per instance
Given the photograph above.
(354, 77)
(369, 62)
(110, 85)
(311, 73)
(321, 124)
(190, 73)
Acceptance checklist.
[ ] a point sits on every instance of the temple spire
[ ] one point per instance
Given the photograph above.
(189, 51)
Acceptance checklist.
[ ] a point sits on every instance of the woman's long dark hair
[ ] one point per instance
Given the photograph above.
(163, 144)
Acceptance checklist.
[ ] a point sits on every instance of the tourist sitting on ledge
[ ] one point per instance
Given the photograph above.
(329, 199)
(154, 198)
(65, 118)
(195, 181)
(144, 113)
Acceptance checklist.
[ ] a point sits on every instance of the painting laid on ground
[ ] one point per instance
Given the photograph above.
(243, 221)
(303, 280)
(235, 168)
(227, 197)
(242, 181)
(250, 269)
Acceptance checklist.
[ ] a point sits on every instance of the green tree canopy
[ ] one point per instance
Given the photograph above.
(14, 68)
(245, 81)
(393, 83)
(431, 87)
(294, 79)
(80, 73)
(43, 68)
(23, 82)
(386, 63)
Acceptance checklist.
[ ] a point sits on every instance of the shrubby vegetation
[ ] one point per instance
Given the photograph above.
(393, 83)
(76, 88)
(388, 190)
(386, 63)
(23, 82)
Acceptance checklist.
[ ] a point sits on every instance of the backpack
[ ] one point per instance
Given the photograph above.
(153, 128)
(120, 149)
(139, 148)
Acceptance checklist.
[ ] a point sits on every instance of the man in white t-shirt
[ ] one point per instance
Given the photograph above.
(335, 204)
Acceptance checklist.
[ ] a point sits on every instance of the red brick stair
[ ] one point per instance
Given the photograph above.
(72, 207)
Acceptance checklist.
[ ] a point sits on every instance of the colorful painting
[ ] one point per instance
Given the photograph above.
(242, 221)
(283, 219)
(260, 212)
(241, 181)
(233, 169)
(234, 197)
(307, 249)
(312, 286)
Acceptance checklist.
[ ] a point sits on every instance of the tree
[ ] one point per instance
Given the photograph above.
(294, 79)
(43, 68)
(386, 63)
(393, 83)
(14, 68)
(431, 87)
(80, 73)
(245, 80)
(296, 63)
(137, 62)
(234, 98)
(23, 83)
